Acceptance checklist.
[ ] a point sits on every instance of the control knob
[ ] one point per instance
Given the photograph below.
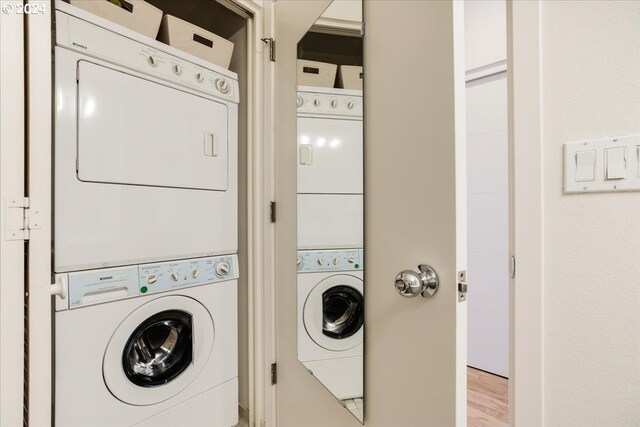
(151, 279)
(351, 260)
(299, 263)
(320, 261)
(151, 60)
(299, 101)
(195, 272)
(350, 105)
(316, 102)
(223, 85)
(175, 276)
(222, 269)
(336, 260)
(177, 69)
(199, 77)
(334, 103)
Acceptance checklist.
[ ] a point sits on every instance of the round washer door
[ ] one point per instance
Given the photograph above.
(334, 312)
(158, 350)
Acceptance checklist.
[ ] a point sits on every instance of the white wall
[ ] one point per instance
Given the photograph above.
(591, 89)
(485, 23)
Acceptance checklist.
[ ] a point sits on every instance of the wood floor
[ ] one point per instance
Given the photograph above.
(487, 400)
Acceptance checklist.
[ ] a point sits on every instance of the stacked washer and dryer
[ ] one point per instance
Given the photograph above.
(145, 223)
(330, 238)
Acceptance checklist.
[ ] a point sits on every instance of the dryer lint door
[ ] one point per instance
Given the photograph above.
(329, 156)
(138, 132)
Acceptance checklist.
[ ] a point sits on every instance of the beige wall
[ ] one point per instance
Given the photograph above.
(591, 89)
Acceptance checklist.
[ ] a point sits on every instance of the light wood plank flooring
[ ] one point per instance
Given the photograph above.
(487, 400)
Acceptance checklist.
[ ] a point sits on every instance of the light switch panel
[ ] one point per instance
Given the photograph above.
(586, 166)
(609, 164)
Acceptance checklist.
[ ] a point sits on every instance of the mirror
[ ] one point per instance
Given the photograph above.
(330, 203)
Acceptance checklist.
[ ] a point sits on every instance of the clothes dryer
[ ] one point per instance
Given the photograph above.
(330, 168)
(145, 165)
(331, 318)
(148, 345)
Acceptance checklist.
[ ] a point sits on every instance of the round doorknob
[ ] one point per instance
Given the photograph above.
(410, 283)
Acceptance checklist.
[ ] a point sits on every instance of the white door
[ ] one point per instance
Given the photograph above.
(414, 210)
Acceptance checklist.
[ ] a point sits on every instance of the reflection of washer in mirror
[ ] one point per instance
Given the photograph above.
(331, 320)
(342, 312)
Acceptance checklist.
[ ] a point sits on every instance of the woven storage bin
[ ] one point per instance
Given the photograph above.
(196, 41)
(313, 73)
(138, 15)
(350, 77)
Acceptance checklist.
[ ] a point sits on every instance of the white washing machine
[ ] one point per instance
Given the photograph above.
(148, 345)
(145, 148)
(330, 168)
(331, 318)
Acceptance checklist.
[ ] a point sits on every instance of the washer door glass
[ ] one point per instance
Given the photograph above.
(160, 349)
(342, 312)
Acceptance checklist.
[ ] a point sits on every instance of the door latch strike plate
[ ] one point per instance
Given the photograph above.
(462, 285)
(274, 373)
(272, 211)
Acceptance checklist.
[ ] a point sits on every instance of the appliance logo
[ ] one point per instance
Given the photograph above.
(106, 278)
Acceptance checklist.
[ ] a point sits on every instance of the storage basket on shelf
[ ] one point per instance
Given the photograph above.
(196, 41)
(314, 73)
(350, 77)
(136, 15)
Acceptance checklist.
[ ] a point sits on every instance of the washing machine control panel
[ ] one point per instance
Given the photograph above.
(329, 104)
(167, 276)
(329, 260)
(91, 287)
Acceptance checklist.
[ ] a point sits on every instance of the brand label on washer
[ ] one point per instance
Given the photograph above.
(95, 286)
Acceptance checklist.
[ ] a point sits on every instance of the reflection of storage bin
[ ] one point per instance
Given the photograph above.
(137, 15)
(196, 41)
(312, 73)
(350, 77)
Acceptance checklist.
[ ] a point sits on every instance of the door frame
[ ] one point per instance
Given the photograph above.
(12, 177)
(526, 313)
(526, 381)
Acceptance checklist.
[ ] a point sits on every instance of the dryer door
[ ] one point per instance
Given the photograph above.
(135, 131)
(158, 350)
(329, 155)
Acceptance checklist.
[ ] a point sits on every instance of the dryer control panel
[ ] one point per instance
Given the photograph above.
(88, 34)
(91, 287)
(333, 102)
(313, 261)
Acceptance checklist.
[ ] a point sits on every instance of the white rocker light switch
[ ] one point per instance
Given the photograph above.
(586, 166)
(616, 163)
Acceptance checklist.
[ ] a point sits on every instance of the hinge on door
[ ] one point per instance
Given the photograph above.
(20, 218)
(272, 211)
(272, 47)
(274, 373)
(462, 285)
(513, 267)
